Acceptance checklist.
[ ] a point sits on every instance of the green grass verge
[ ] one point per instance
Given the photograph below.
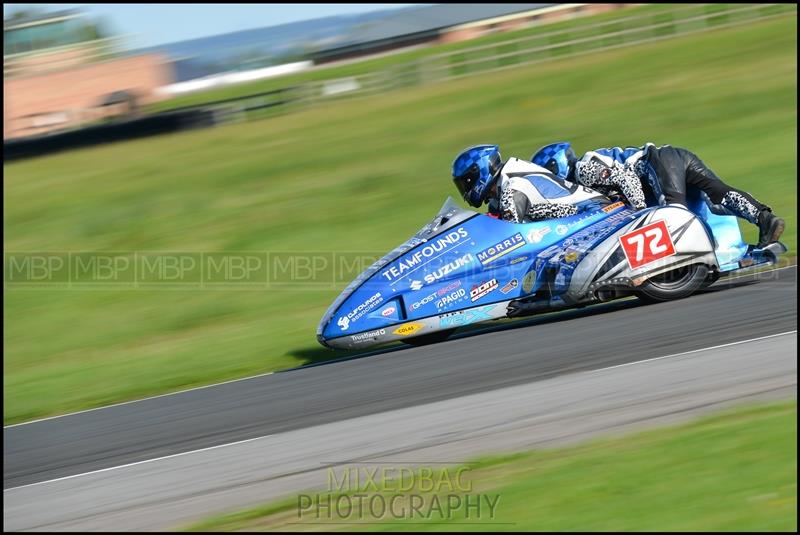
(359, 176)
(734, 471)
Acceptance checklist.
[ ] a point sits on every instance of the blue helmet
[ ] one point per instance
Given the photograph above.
(475, 170)
(558, 158)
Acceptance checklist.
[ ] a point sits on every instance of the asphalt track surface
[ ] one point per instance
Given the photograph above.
(537, 350)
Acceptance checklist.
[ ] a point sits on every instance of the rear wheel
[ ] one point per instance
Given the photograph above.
(711, 278)
(432, 338)
(676, 284)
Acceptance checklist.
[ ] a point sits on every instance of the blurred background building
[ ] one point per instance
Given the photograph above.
(447, 23)
(62, 70)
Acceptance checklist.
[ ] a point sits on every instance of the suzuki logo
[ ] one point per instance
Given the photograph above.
(416, 285)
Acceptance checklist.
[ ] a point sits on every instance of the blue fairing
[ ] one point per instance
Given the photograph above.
(464, 267)
(724, 229)
(478, 260)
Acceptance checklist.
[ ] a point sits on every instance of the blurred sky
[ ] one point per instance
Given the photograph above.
(155, 24)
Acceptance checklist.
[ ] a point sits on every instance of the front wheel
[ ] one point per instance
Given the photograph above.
(675, 284)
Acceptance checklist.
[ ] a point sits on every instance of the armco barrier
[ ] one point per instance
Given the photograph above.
(160, 123)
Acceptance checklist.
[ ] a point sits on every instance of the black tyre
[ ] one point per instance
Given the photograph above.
(675, 284)
(711, 278)
(432, 338)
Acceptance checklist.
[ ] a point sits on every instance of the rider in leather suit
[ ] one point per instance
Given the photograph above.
(517, 190)
(673, 169)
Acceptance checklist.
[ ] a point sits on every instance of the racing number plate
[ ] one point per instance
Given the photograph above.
(647, 244)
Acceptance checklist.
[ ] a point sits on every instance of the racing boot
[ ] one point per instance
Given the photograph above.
(770, 228)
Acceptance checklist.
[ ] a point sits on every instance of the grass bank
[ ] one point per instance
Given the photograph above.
(735, 471)
(359, 176)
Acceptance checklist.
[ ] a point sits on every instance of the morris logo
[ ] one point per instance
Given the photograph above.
(500, 249)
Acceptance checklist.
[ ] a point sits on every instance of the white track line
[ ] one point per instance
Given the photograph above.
(263, 374)
(750, 274)
(138, 400)
(696, 351)
(136, 463)
(265, 436)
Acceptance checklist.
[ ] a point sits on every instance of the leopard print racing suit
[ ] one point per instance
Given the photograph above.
(627, 171)
(527, 192)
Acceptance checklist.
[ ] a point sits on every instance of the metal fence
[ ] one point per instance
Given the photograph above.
(671, 21)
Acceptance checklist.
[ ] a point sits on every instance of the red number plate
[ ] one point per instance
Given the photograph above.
(647, 244)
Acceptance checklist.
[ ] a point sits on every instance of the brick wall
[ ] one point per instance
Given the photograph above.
(71, 94)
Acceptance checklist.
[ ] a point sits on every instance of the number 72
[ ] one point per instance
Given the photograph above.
(647, 244)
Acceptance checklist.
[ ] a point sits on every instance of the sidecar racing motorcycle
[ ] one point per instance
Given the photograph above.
(464, 267)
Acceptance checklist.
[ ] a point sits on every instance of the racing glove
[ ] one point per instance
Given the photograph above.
(515, 207)
(537, 212)
(595, 173)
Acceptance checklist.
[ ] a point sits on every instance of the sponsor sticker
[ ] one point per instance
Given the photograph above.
(500, 249)
(483, 289)
(424, 301)
(455, 285)
(465, 317)
(570, 256)
(528, 281)
(424, 254)
(448, 268)
(647, 244)
(365, 307)
(453, 297)
(510, 285)
(367, 336)
(612, 207)
(449, 288)
(536, 235)
(408, 328)
(518, 260)
(388, 311)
